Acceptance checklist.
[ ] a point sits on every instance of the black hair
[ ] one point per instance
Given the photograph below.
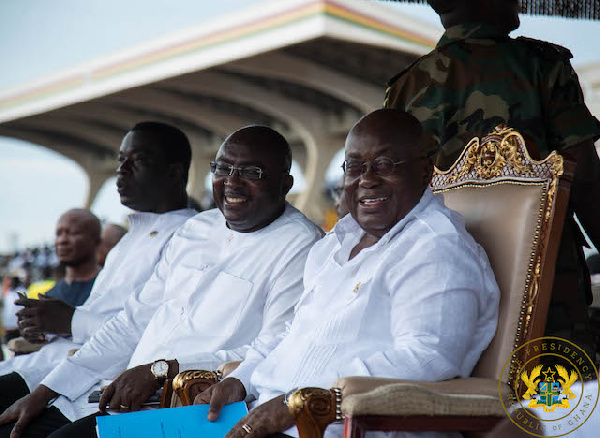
(275, 140)
(172, 140)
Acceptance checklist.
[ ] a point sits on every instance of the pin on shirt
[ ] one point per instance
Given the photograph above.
(153, 233)
(356, 288)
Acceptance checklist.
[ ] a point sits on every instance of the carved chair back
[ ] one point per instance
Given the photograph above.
(515, 208)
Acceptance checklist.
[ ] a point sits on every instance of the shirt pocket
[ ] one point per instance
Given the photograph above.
(223, 303)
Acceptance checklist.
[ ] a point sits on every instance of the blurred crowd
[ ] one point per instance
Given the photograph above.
(31, 272)
(34, 263)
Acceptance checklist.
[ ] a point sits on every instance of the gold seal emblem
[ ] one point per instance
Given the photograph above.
(554, 387)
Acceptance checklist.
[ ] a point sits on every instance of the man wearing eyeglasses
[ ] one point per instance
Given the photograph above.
(230, 277)
(397, 289)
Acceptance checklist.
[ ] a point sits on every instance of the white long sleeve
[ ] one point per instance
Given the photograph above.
(420, 304)
(128, 267)
(214, 292)
(108, 352)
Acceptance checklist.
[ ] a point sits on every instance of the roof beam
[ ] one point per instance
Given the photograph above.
(125, 118)
(279, 65)
(220, 123)
(306, 120)
(105, 138)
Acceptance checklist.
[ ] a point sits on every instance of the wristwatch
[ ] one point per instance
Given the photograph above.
(286, 399)
(160, 369)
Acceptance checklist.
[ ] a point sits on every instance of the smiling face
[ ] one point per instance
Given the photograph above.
(251, 204)
(142, 179)
(77, 237)
(375, 201)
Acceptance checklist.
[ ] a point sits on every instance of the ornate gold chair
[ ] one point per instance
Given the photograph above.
(515, 208)
(184, 388)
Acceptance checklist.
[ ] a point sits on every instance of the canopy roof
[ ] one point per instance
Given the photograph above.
(308, 68)
(585, 9)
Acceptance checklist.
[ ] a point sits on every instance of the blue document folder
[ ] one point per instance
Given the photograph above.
(183, 422)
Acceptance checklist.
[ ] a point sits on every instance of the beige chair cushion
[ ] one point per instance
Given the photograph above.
(503, 219)
(468, 397)
(471, 385)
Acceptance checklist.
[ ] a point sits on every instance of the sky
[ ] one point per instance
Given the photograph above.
(41, 37)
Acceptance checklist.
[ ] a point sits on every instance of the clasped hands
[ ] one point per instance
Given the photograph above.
(266, 419)
(42, 316)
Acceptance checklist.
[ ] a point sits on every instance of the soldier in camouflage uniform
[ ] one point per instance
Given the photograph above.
(478, 77)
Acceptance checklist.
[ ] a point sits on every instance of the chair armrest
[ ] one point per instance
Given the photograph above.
(471, 385)
(457, 397)
(314, 409)
(188, 384)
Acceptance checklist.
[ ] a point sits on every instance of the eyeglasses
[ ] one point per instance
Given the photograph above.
(247, 172)
(382, 166)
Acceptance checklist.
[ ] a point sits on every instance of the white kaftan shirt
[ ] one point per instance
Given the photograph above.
(213, 293)
(128, 267)
(422, 303)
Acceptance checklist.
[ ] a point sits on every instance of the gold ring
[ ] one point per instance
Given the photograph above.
(126, 408)
(247, 428)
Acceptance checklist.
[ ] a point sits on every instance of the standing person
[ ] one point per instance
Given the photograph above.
(478, 77)
(229, 278)
(154, 160)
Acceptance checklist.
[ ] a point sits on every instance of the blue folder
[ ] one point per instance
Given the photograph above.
(183, 422)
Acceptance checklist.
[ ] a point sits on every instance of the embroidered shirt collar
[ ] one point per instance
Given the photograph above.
(470, 31)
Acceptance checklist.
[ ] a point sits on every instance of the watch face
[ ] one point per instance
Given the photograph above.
(160, 368)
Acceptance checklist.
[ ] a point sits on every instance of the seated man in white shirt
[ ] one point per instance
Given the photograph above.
(397, 289)
(229, 277)
(154, 159)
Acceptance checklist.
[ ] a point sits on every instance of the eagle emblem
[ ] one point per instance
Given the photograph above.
(549, 392)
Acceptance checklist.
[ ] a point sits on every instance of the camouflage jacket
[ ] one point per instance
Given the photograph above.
(478, 77)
